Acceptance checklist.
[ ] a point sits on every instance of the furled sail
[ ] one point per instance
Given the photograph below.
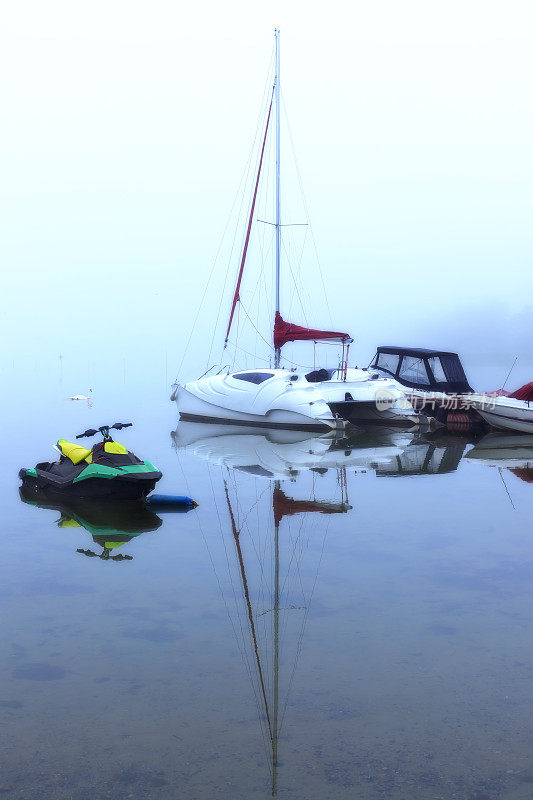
(289, 332)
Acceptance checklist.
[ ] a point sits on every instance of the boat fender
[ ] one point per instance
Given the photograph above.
(458, 422)
(168, 502)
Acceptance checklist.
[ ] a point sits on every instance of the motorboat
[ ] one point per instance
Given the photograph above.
(432, 378)
(282, 396)
(506, 411)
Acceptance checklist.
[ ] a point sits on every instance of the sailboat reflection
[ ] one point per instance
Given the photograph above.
(111, 526)
(276, 534)
(282, 507)
(284, 454)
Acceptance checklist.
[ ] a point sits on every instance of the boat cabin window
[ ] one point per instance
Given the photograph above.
(414, 370)
(437, 370)
(388, 361)
(454, 369)
(253, 377)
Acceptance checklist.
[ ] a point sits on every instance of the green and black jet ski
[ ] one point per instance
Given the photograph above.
(108, 470)
(111, 525)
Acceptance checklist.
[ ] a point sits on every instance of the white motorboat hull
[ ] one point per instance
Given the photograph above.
(504, 413)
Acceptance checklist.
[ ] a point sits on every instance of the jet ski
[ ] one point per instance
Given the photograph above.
(110, 525)
(107, 470)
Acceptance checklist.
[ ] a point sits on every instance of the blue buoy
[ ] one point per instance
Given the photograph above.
(170, 502)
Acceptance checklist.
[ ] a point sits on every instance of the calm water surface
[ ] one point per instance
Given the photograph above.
(365, 611)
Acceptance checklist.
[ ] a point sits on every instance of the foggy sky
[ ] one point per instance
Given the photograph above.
(126, 128)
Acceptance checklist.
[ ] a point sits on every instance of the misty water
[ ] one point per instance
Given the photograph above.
(362, 608)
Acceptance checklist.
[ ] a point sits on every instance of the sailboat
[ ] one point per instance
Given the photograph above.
(277, 397)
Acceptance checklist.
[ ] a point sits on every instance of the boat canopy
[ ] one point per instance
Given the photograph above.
(421, 368)
(524, 393)
(289, 332)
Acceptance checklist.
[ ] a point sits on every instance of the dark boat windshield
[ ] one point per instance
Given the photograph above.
(423, 369)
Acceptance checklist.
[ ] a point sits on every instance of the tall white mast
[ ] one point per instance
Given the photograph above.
(276, 658)
(277, 352)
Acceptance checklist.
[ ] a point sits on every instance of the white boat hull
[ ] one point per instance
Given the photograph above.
(504, 413)
(284, 399)
(195, 409)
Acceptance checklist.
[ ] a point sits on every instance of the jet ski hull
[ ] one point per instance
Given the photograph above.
(91, 489)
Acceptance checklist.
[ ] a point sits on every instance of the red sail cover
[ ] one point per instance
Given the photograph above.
(288, 332)
(524, 393)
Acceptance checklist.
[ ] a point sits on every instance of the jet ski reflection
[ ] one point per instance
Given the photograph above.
(111, 526)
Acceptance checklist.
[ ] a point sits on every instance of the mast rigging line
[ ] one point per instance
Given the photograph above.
(236, 534)
(242, 649)
(248, 230)
(255, 328)
(215, 260)
(294, 363)
(306, 207)
(294, 280)
(243, 183)
(284, 224)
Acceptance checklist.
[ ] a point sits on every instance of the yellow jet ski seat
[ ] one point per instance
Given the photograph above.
(75, 452)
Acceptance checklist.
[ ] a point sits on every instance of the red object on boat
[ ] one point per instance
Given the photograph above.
(458, 422)
(289, 332)
(524, 393)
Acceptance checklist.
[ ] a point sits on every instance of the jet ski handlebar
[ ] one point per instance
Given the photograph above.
(104, 430)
